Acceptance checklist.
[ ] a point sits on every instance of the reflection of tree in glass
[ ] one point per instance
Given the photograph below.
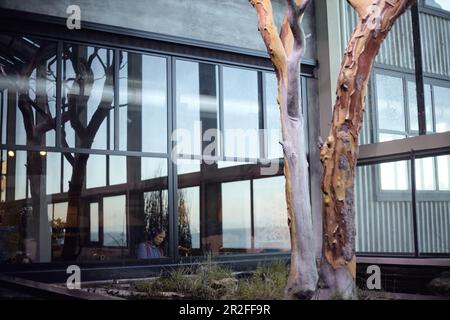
(155, 210)
(78, 96)
(30, 76)
(184, 224)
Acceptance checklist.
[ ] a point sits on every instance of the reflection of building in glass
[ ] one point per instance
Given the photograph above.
(86, 144)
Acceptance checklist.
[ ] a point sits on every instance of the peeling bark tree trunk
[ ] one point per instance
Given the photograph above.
(285, 51)
(339, 153)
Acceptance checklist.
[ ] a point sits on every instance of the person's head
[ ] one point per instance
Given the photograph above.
(157, 236)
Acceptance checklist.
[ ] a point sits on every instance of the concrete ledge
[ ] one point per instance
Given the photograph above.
(49, 291)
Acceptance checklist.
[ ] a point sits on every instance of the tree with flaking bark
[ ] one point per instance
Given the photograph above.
(285, 50)
(339, 153)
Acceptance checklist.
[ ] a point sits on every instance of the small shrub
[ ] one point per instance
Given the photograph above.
(268, 283)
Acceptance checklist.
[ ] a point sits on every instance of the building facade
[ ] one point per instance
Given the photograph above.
(159, 120)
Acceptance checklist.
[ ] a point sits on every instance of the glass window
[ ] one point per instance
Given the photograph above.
(117, 169)
(390, 103)
(88, 97)
(439, 4)
(236, 215)
(271, 221)
(425, 174)
(117, 215)
(153, 168)
(114, 221)
(94, 222)
(143, 103)
(241, 113)
(96, 171)
(197, 107)
(188, 219)
(273, 117)
(53, 180)
(443, 165)
(29, 65)
(394, 175)
(412, 107)
(156, 223)
(442, 108)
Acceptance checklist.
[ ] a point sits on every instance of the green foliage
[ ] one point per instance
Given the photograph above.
(268, 283)
(211, 281)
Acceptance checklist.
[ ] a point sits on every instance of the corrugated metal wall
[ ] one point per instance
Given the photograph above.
(382, 226)
(398, 50)
(386, 226)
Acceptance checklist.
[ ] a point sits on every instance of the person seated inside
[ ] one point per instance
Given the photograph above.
(151, 247)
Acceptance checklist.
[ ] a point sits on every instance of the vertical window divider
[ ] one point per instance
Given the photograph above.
(221, 116)
(408, 129)
(414, 203)
(116, 99)
(433, 108)
(59, 54)
(263, 134)
(172, 186)
(1, 116)
(420, 92)
(252, 216)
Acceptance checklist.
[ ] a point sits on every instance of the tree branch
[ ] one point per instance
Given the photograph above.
(266, 27)
(294, 43)
(103, 108)
(360, 6)
(27, 113)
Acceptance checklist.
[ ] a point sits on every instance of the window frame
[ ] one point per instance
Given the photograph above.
(404, 195)
(424, 7)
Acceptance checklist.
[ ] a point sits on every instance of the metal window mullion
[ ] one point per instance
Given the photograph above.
(221, 115)
(418, 69)
(172, 186)
(414, 203)
(116, 99)
(252, 216)
(59, 73)
(263, 132)
(433, 109)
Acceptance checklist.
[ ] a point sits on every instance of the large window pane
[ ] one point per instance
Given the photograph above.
(153, 243)
(197, 106)
(425, 174)
(383, 218)
(394, 175)
(188, 219)
(390, 103)
(442, 108)
(143, 103)
(443, 165)
(122, 211)
(271, 227)
(94, 222)
(88, 96)
(114, 221)
(29, 88)
(412, 107)
(241, 113)
(273, 117)
(236, 224)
